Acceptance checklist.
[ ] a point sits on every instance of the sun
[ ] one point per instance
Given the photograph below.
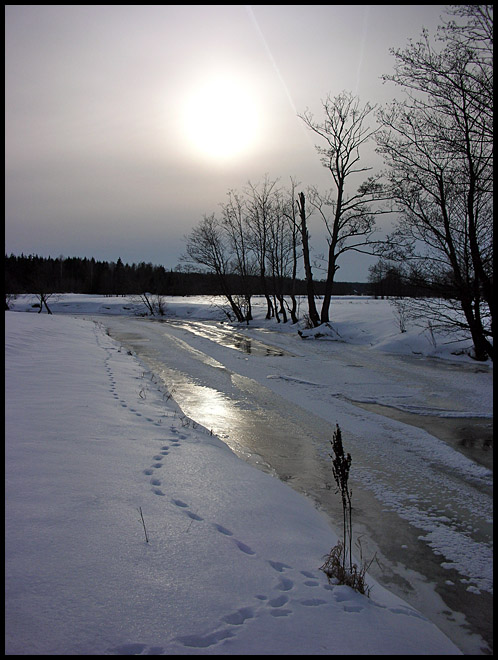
(220, 119)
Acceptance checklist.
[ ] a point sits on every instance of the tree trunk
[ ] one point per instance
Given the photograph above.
(313, 313)
(329, 284)
(483, 348)
(293, 309)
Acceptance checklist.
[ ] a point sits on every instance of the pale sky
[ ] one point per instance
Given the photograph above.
(125, 124)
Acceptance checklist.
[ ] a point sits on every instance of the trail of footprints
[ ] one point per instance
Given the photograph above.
(279, 603)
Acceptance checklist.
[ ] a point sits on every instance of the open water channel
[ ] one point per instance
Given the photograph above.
(427, 522)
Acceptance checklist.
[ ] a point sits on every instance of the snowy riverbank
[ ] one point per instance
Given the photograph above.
(231, 566)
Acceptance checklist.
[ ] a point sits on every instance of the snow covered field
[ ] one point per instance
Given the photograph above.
(231, 566)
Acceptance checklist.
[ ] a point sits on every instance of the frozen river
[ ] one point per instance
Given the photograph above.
(422, 502)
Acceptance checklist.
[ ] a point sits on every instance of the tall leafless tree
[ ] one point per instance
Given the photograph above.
(290, 213)
(281, 254)
(349, 217)
(303, 227)
(437, 144)
(262, 207)
(235, 222)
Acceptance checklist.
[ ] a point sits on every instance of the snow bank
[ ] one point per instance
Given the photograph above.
(231, 566)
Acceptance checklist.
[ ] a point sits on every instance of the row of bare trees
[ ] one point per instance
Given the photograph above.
(254, 236)
(436, 143)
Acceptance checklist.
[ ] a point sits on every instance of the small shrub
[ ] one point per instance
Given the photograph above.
(401, 308)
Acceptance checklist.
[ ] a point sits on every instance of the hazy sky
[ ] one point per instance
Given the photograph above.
(126, 123)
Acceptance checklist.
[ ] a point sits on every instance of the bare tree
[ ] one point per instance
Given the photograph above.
(281, 254)
(289, 210)
(349, 218)
(235, 222)
(40, 282)
(206, 245)
(437, 144)
(303, 226)
(262, 207)
(152, 303)
(43, 298)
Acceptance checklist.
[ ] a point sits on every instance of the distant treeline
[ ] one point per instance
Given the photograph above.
(32, 274)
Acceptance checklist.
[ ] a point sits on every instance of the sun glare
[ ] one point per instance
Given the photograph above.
(220, 119)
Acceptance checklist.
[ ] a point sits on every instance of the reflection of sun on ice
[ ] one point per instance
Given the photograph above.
(220, 119)
(211, 408)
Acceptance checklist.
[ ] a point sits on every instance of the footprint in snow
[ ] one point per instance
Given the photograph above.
(205, 641)
(222, 530)
(314, 602)
(282, 612)
(312, 582)
(184, 505)
(239, 617)
(285, 584)
(279, 566)
(194, 516)
(277, 605)
(244, 548)
(279, 601)
(134, 648)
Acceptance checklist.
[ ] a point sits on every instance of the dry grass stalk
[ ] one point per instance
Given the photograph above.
(336, 566)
